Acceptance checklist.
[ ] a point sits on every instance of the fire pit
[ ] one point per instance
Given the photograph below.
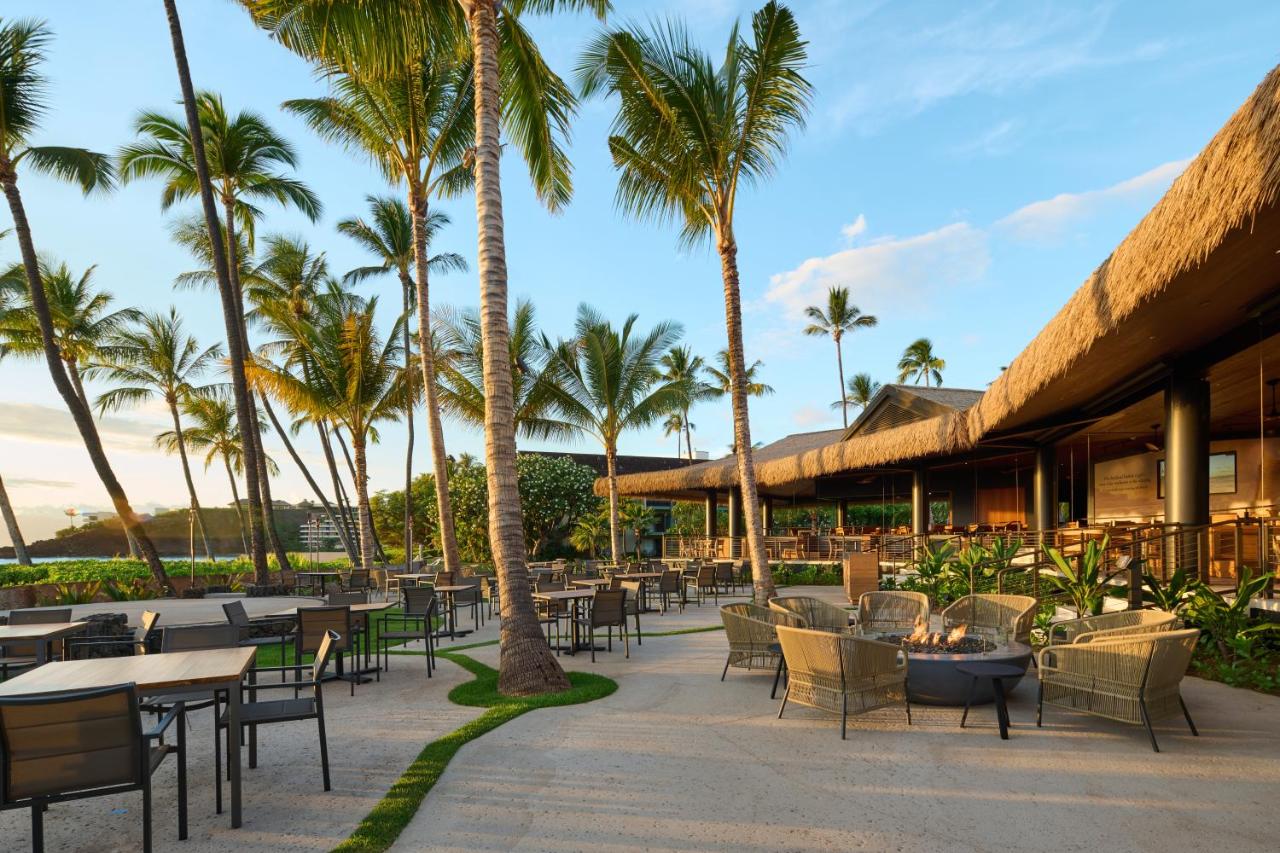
(932, 678)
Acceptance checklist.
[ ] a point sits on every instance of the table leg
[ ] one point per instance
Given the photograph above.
(42, 653)
(968, 699)
(1002, 711)
(233, 748)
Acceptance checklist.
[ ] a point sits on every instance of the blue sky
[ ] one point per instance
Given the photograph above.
(964, 168)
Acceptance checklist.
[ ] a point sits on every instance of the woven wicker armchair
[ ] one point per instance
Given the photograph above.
(815, 613)
(753, 640)
(1132, 679)
(1108, 625)
(1017, 613)
(842, 673)
(892, 610)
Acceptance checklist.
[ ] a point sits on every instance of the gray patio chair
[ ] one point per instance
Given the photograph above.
(256, 713)
(77, 744)
(632, 605)
(236, 615)
(416, 622)
(608, 611)
(315, 624)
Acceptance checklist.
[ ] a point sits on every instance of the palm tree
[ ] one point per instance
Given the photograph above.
(674, 425)
(683, 369)
(389, 236)
(158, 357)
(604, 384)
(590, 532)
(636, 517)
(723, 384)
(240, 155)
(460, 340)
(213, 429)
(919, 361)
(9, 295)
(415, 126)
(861, 389)
(353, 377)
(837, 318)
(512, 82)
(687, 136)
(82, 321)
(22, 104)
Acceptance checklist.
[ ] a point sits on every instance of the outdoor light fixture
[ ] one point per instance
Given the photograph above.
(1154, 444)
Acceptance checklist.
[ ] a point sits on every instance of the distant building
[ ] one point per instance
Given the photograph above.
(318, 533)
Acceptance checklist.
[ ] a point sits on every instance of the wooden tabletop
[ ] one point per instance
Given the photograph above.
(319, 574)
(589, 581)
(565, 594)
(40, 631)
(367, 607)
(639, 576)
(417, 576)
(148, 672)
(456, 587)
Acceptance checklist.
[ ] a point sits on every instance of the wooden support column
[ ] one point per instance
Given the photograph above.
(919, 501)
(1186, 472)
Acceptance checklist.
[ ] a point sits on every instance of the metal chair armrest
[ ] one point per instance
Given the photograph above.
(157, 731)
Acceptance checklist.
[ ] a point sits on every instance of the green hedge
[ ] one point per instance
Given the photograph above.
(84, 571)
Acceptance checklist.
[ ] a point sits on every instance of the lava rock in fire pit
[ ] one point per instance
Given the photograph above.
(939, 643)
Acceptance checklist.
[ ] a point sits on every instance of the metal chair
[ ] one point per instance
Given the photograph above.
(236, 615)
(608, 611)
(315, 624)
(254, 713)
(77, 744)
(668, 585)
(632, 604)
(704, 581)
(420, 606)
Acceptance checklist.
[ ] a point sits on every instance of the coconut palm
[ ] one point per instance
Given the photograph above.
(607, 381)
(22, 105)
(352, 376)
(590, 533)
(238, 158)
(674, 425)
(919, 361)
(512, 84)
(683, 369)
(721, 375)
(389, 236)
(835, 320)
(9, 295)
(156, 357)
(860, 389)
(212, 428)
(687, 136)
(415, 126)
(81, 315)
(461, 342)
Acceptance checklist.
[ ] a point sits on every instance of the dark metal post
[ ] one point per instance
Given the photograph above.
(1045, 488)
(1186, 484)
(766, 513)
(736, 525)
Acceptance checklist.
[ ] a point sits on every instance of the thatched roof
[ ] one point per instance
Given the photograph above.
(1191, 271)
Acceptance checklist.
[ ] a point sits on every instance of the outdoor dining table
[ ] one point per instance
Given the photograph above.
(367, 607)
(213, 670)
(644, 578)
(576, 599)
(319, 575)
(41, 634)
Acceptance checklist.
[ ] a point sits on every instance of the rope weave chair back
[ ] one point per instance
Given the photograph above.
(1111, 625)
(63, 743)
(838, 672)
(815, 613)
(1017, 613)
(196, 638)
(892, 610)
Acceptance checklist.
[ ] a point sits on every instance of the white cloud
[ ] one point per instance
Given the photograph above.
(47, 424)
(887, 272)
(812, 416)
(1048, 219)
(998, 139)
(854, 228)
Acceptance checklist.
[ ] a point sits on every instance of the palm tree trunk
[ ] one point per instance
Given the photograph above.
(235, 498)
(232, 314)
(345, 526)
(844, 395)
(268, 510)
(527, 665)
(688, 433)
(405, 291)
(355, 476)
(761, 576)
(362, 504)
(53, 358)
(73, 373)
(11, 522)
(306, 473)
(186, 475)
(615, 529)
(426, 354)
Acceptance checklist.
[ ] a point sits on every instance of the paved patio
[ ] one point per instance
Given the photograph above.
(677, 760)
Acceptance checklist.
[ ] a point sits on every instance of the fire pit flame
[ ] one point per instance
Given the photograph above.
(956, 641)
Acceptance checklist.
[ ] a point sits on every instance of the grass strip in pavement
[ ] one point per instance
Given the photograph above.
(383, 825)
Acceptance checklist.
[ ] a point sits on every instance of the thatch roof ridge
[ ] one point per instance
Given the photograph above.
(1233, 178)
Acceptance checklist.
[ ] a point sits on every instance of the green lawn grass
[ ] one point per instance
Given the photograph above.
(383, 825)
